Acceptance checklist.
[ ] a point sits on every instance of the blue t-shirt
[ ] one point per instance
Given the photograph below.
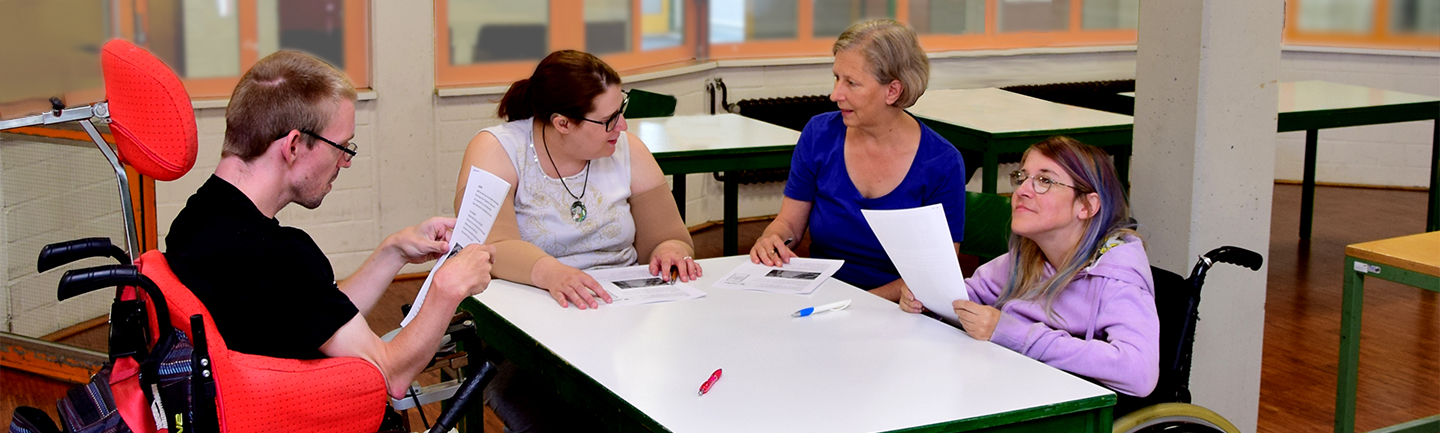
(837, 229)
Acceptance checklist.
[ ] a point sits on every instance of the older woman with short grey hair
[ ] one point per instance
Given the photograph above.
(871, 154)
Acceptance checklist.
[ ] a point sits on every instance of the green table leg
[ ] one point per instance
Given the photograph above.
(1122, 165)
(991, 164)
(678, 183)
(1432, 221)
(732, 213)
(1352, 299)
(1307, 185)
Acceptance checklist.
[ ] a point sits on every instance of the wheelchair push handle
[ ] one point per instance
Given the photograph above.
(1236, 256)
(469, 390)
(77, 282)
(62, 253)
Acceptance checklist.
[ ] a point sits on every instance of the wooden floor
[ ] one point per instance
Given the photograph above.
(1400, 353)
(1400, 336)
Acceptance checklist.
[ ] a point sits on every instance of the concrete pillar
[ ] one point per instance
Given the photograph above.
(402, 41)
(1203, 173)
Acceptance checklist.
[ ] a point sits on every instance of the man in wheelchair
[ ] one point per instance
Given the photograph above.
(269, 288)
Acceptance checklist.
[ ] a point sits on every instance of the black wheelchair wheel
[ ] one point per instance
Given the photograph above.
(1173, 418)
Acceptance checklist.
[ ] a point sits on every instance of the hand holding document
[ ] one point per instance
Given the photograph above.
(918, 242)
(634, 285)
(801, 276)
(484, 193)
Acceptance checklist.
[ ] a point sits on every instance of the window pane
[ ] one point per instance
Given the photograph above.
(1034, 15)
(832, 17)
(1343, 16)
(662, 24)
(316, 27)
(198, 38)
(49, 47)
(736, 21)
(1415, 16)
(607, 26)
(484, 31)
(953, 17)
(1109, 14)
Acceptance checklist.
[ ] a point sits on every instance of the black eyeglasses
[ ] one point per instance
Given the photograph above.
(1042, 182)
(348, 148)
(614, 119)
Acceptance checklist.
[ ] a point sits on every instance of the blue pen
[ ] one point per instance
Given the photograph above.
(834, 306)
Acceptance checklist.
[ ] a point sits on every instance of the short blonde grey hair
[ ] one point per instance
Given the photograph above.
(892, 51)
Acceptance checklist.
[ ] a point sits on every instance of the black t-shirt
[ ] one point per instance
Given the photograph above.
(269, 288)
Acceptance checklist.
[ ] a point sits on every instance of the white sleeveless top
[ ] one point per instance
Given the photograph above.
(606, 238)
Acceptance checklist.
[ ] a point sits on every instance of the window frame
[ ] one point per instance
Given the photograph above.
(564, 17)
(806, 45)
(356, 43)
(1379, 36)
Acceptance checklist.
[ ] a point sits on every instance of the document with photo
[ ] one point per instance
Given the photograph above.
(634, 285)
(484, 192)
(801, 276)
(918, 242)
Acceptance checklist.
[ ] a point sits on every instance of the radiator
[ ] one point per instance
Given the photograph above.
(790, 112)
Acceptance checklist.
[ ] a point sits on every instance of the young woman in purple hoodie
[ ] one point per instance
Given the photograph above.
(1075, 290)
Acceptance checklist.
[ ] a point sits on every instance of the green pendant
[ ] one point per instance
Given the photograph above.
(577, 211)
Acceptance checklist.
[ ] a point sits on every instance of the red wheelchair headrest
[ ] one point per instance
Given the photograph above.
(151, 116)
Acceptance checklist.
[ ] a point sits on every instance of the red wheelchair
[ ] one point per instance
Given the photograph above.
(169, 370)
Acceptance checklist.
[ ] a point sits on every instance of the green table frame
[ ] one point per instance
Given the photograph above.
(994, 122)
(1115, 139)
(682, 163)
(1314, 105)
(1092, 415)
(1356, 269)
(1313, 121)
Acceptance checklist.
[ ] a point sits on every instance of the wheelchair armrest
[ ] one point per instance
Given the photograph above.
(62, 253)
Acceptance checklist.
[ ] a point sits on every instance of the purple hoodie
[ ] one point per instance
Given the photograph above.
(1104, 327)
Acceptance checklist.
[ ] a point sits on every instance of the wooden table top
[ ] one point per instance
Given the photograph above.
(1416, 253)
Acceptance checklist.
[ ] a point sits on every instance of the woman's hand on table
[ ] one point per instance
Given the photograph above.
(676, 255)
(771, 250)
(572, 286)
(908, 303)
(979, 320)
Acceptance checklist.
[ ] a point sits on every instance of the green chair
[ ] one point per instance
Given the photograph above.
(987, 225)
(649, 104)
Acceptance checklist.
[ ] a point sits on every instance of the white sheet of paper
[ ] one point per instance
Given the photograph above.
(634, 285)
(918, 242)
(484, 193)
(801, 276)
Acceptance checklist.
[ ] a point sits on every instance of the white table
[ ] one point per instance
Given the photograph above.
(708, 144)
(869, 368)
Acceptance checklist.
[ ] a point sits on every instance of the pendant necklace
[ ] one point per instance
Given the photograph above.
(577, 209)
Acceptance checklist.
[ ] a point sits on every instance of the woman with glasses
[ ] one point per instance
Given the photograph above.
(1075, 289)
(869, 155)
(586, 194)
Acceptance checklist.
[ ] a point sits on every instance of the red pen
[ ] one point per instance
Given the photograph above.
(714, 377)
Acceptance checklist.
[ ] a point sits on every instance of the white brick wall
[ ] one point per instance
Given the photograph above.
(52, 191)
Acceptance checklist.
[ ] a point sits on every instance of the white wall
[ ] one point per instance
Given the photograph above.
(53, 191)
